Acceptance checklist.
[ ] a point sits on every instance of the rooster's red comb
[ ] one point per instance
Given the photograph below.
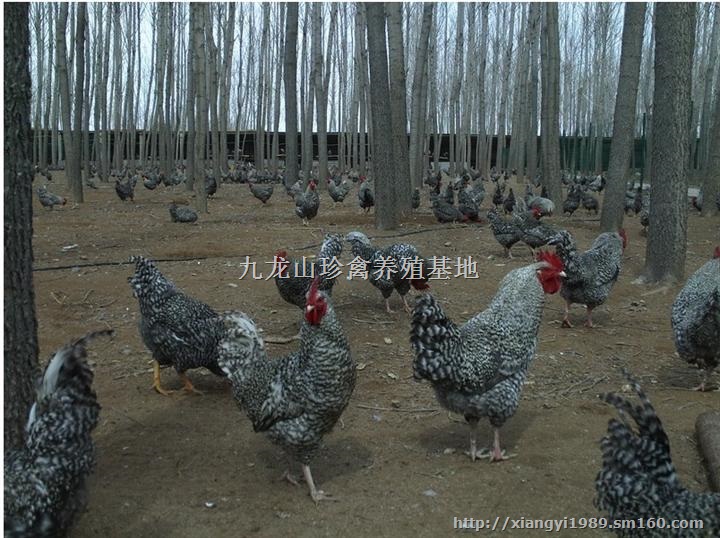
(552, 259)
(281, 254)
(716, 254)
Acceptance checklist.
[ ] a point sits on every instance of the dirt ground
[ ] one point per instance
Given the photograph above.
(189, 465)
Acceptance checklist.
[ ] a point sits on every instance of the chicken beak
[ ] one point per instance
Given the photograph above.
(309, 308)
(562, 274)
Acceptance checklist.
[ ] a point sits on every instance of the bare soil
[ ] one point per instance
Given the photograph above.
(189, 465)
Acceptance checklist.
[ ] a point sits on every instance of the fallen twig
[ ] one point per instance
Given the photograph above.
(399, 409)
(378, 322)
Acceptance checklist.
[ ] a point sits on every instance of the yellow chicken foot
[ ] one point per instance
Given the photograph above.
(156, 381)
(316, 494)
(188, 386)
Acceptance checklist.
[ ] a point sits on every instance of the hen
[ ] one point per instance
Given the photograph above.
(366, 195)
(125, 189)
(505, 233)
(509, 203)
(478, 369)
(45, 479)
(177, 329)
(48, 199)
(534, 233)
(182, 214)
(261, 192)
(638, 479)
(590, 274)
(298, 398)
(307, 204)
(444, 212)
(211, 185)
(293, 287)
(338, 192)
(696, 319)
(391, 269)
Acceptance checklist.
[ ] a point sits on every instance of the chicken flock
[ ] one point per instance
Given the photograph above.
(477, 369)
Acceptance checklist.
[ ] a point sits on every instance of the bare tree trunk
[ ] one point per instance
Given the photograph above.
(711, 186)
(117, 50)
(276, 92)
(550, 132)
(290, 78)
(21, 347)
(532, 136)
(386, 210)
(259, 130)
(706, 148)
(217, 152)
(398, 107)
(480, 161)
(320, 94)
(417, 135)
(667, 237)
(501, 159)
(192, 140)
(613, 209)
(200, 19)
(74, 173)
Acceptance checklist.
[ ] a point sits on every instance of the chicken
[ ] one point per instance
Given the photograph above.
(90, 182)
(444, 212)
(295, 189)
(572, 202)
(366, 194)
(638, 480)
(48, 199)
(261, 192)
(45, 479)
(467, 205)
(448, 194)
(544, 204)
(645, 220)
(591, 274)
(151, 181)
(211, 185)
(338, 192)
(590, 203)
(638, 201)
(509, 202)
(293, 287)
(296, 399)
(629, 200)
(182, 214)
(505, 233)
(498, 196)
(478, 369)
(307, 204)
(696, 319)
(177, 329)
(415, 201)
(125, 189)
(534, 233)
(391, 269)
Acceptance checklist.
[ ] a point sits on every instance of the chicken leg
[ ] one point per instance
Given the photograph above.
(156, 381)
(187, 384)
(316, 494)
(588, 321)
(496, 454)
(406, 305)
(387, 306)
(566, 321)
(473, 453)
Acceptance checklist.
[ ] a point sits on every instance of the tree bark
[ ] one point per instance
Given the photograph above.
(386, 211)
(201, 104)
(550, 128)
(613, 209)
(667, 237)
(417, 134)
(290, 76)
(398, 107)
(74, 172)
(20, 329)
(711, 185)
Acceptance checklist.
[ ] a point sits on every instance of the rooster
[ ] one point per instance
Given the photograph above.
(696, 319)
(298, 398)
(308, 203)
(177, 329)
(390, 269)
(572, 202)
(125, 189)
(478, 369)
(261, 192)
(505, 233)
(534, 233)
(293, 288)
(509, 203)
(638, 479)
(366, 195)
(48, 199)
(590, 274)
(45, 479)
(182, 214)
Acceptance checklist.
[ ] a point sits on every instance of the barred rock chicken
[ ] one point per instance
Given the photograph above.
(366, 195)
(48, 199)
(544, 204)
(444, 212)
(177, 329)
(45, 479)
(505, 233)
(338, 192)
(151, 181)
(509, 202)
(182, 214)
(261, 192)
(534, 233)
(415, 201)
(307, 204)
(629, 203)
(478, 369)
(448, 194)
(644, 220)
(298, 398)
(294, 190)
(498, 198)
(638, 479)
(590, 203)
(572, 202)
(696, 319)
(391, 269)
(294, 282)
(638, 201)
(211, 185)
(125, 189)
(590, 274)
(467, 205)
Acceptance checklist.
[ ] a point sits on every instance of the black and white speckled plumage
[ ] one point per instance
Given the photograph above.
(477, 369)
(295, 399)
(590, 274)
(177, 329)
(293, 288)
(45, 480)
(505, 233)
(696, 318)
(638, 478)
(393, 256)
(308, 203)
